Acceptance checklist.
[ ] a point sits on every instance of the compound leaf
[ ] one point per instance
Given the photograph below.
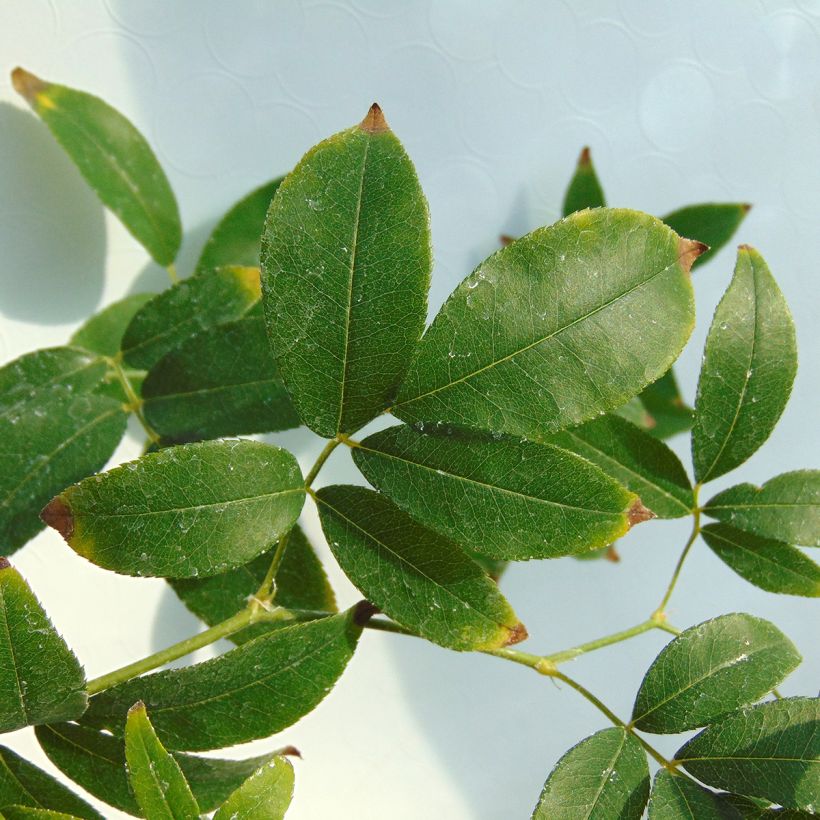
(675, 797)
(584, 190)
(556, 328)
(197, 509)
(748, 369)
(103, 332)
(712, 223)
(416, 576)
(265, 795)
(710, 670)
(346, 262)
(114, 158)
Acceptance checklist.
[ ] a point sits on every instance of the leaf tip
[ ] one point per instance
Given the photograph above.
(505, 239)
(688, 251)
(4, 563)
(57, 514)
(612, 554)
(374, 121)
(137, 708)
(363, 612)
(517, 634)
(26, 84)
(745, 207)
(637, 513)
(289, 751)
(585, 157)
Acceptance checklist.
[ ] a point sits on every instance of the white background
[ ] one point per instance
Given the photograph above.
(681, 102)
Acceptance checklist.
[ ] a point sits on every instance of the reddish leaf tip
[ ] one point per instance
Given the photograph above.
(688, 251)
(363, 612)
(638, 513)
(585, 157)
(139, 706)
(517, 634)
(612, 554)
(506, 239)
(56, 514)
(26, 84)
(374, 121)
(745, 207)
(289, 751)
(4, 562)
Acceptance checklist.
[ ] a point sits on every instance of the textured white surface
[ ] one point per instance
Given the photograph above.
(681, 102)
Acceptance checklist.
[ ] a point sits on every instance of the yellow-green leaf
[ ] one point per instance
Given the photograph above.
(265, 795)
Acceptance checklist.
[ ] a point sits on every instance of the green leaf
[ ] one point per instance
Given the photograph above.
(675, 797)
(546, 502)
(570, 321)
(714, 224)
(220, 382)
(640, 462)
(114, 158)
(748, 808)
(301, 583)
(190, 306)
(771, 750)
(766, 563)
(197, 509)
(416, 576)
(634, 411)
(251, 692)
(604, 777)
(23, 783)
(40, 679)
(159, 786)
(96, 761)
(662, 400)
(265, 795)
(346, 262)
(786, 507)
(711, 669)
(103, 332)
(29, 813)
(748, 369)
(236, 239)
(584, 189)
(52, 432)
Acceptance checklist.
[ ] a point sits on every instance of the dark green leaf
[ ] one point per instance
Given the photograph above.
(748, 808)
(640, 462)
(192, 305)
(301, 583)
(29, 813)
(22, 783)
(52, 432)
(220, 382)
(265, 795)
(545, 501)
(668, 411)
(675, 797)
(764, 562)
(40, 679)
(114, 158)
(711, 669)
(584, 189)
(714, 224)
(346, 262)
(416, 576)
(570, 321)
(604, 777)
(197, 509)
(157, 782)
(634, 412)
(748, 368)
(237, 237)
(103, 332)
(771, 750)
(253, 691)
(786, 507)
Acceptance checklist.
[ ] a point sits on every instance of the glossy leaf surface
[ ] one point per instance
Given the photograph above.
(748, 368)
(114, 158)
(220, 382)
(156, 780)
(771, 751)
(675, 797)
(711, 669)
(713, 223)
(265, 795)
(53, 431)
(190, 306)
(40, 679)
(556, 328)
(764, 562)
(663, 402)
(301, 583)
(346, 262)
(605, 776)
(24, 784)
(197, 509)
(103, 332)
(786, 507)
(545, 502)
(251, 692)
(420, 579)
(640, 462)
(584, 190)
(237, 237)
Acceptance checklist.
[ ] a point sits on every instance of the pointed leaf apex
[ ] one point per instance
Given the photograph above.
(374, 122)
(517, 634)
(289, 751)
(585, 157)
(745, 207)
(506, 239)
(139, 706)
(638, 513)
(56, 514)
(4, 563)
(688, 251)
(26, 84)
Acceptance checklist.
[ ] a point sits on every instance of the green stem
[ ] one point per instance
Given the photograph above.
(693, 536)
(172, 273)
(134, 401)
(607, 640)
(320, 461)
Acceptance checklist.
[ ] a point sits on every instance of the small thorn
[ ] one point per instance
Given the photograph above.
(4, 562)
(638, 513)
(506, 239)
(374, 122)
(517, 634)
(26, 84)
(56, 514)
(688, 251)
(585, 158)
